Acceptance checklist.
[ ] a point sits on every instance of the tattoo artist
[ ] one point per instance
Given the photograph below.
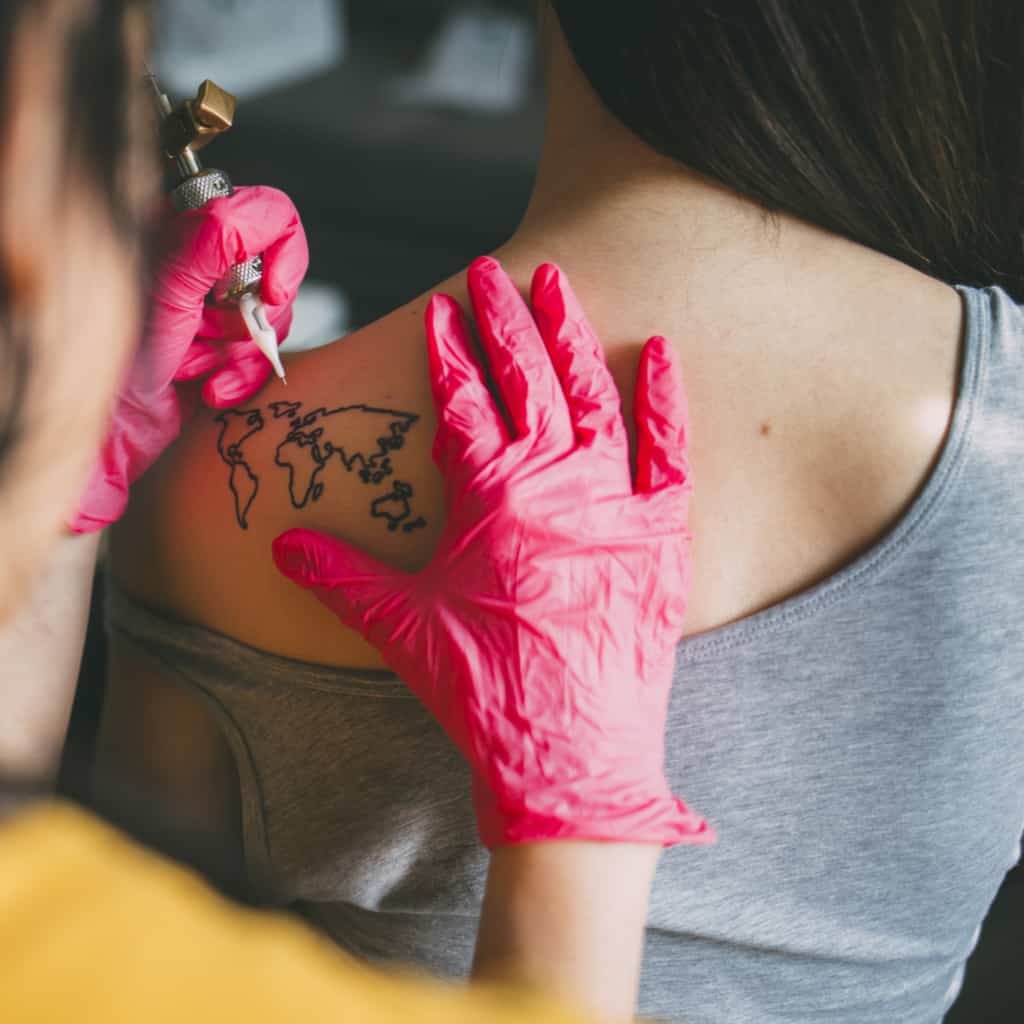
(562, 728)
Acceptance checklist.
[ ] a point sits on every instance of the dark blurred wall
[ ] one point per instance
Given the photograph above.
(394, 198)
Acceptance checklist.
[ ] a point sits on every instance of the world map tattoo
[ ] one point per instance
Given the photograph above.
(235, 429)
(358, 439)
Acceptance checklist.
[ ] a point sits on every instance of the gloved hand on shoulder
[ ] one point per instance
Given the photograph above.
(185, 339)
(542, 634)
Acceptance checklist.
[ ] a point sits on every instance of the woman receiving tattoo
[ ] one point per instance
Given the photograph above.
(820, 205)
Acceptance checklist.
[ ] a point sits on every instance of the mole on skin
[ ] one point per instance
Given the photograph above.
(766, 429)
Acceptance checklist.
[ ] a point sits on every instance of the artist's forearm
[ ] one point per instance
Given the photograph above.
(569, 917)
(40, 651)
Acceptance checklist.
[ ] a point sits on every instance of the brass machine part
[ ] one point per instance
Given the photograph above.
(194, 123)
(185, 129)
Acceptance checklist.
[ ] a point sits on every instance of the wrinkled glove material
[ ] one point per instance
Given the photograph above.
(187, 339)
(542, 634)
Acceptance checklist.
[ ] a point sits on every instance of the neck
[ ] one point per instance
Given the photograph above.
(596, 179)
(627, 223)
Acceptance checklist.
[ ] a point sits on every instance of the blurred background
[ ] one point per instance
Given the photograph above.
(406, 132)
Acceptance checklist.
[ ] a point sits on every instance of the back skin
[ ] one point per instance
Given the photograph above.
(804, 450)
(815, 419)
(820, 374)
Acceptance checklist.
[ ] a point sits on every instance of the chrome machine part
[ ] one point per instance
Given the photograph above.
(185, 129)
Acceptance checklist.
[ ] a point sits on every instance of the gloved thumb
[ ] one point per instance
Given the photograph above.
(242, 374)
(360, 590)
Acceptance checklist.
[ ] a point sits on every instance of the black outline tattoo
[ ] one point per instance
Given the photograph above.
(399, 496)
(309, 433)
(231, 453)
(372, 468)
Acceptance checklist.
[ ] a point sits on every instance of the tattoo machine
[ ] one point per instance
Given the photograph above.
(184, 130)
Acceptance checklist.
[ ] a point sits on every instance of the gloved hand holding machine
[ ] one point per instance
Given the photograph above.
(219, 232)
(184, 130)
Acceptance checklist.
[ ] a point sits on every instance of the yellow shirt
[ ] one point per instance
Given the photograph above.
(94, 928)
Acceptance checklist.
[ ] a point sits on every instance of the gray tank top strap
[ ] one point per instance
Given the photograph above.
(216, 653)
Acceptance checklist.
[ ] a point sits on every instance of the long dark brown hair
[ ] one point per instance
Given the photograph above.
(899, 125)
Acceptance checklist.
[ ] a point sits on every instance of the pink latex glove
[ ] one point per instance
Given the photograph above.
(542, 634)
(149, 409)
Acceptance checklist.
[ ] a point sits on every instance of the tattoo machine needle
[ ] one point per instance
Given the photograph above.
(184, 130)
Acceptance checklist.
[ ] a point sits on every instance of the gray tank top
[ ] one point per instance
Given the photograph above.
(859, 748)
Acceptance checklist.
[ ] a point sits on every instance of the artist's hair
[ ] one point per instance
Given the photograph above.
(97, 79)
(899, 125)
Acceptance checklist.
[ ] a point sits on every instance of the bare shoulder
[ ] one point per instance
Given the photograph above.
(344, 448)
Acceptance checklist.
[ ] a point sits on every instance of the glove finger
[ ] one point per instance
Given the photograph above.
(662, 419)
(470, 429)
(168, 333)
(202, 357)
(223, 322)
(519, 361)
(242, 369)
(232, 229)
(243, 372)
(590, 392)
(359, 590)
(139, 432)
(285, 263)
